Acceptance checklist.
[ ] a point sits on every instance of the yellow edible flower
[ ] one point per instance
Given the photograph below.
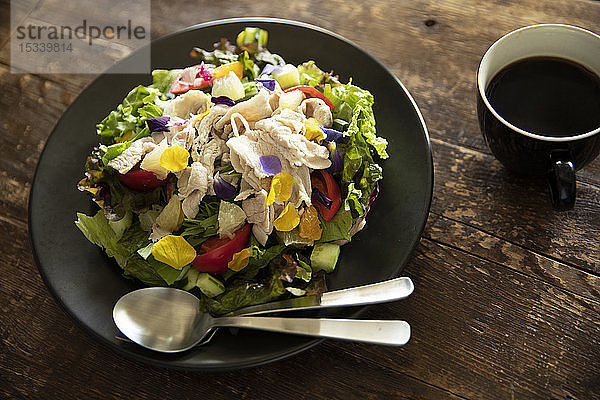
(174, 251)
(125, 137)
(287, 220)
(281, 188)
(240, 260)
(204, 114)
(174, 158)
(224, 69)
(310, 227)
(312, 130)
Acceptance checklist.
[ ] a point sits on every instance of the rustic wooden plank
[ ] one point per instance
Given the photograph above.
(31, 106)
(4, 22)
(482, 244)
(471, 187)
(490, 332)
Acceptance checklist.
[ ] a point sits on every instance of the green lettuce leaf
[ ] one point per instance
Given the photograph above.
(353, 160)
(304, 272)
(338, 227)
(217, 57)
(243, 293)
(360, 171)
(130, 116)
(310, 74)
(250, 70)
(197, 231)
(261, 257)
(162, 79)
(353, 200)
(114, 151)
(97, 230)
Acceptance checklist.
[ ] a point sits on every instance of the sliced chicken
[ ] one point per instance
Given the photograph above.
(277, 135)
(132, 155)
(190, 103)
(207, 155)
(206, 125)
(260, 215)
(254, 109)
(192, 185)
(245, 159)
(279, 138)
(317, 109)
(302, 190)
(183, 135)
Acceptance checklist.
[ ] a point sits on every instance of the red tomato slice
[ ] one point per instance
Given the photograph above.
(312, 92)
(140, 180)
(220, 251)
(326, 184)
(196, 77)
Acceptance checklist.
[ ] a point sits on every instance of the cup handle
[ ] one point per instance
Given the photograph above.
(561, 180)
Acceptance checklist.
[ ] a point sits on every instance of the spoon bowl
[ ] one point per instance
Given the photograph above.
(160, 318)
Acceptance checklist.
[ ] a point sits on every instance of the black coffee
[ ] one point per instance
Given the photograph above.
(547, 96)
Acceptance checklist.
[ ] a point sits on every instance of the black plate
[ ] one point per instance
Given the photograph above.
(87, 284)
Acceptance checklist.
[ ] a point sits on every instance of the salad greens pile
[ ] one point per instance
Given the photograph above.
(286, 265)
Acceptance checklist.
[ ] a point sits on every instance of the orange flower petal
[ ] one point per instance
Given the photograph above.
(310, 226)
(240, 259)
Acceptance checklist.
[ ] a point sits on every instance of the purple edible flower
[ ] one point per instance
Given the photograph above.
(158, 124)
(373, 197)
(223, 189)
(337, 164)
(269, 68)
(321, 198)
(205, 73)
(333, 135)
(222, 100)
(271, 164)
(267, 83)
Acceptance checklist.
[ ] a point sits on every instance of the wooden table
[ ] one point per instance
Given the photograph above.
(507, 301)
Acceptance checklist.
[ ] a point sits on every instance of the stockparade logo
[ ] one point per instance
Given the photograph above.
(84, 39)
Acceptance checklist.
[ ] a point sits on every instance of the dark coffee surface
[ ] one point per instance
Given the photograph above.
(547, 96)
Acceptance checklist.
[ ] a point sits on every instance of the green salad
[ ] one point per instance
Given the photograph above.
(237, 178)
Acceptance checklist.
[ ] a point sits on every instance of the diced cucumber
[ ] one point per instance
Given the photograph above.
(293, 238)
(209, 285)
(251, 35)
(192, 277)
(339, 124)
(145, 252)
(324, 256)
(287, 76)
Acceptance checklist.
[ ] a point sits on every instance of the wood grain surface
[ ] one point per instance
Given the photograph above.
(507, 298)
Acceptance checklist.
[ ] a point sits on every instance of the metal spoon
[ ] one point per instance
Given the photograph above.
(169, 320)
